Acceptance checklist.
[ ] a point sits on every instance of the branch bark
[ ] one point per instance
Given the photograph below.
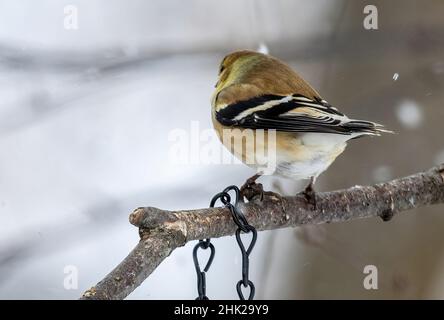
(162, 231)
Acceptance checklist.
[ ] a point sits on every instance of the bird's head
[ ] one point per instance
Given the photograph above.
(234, 65)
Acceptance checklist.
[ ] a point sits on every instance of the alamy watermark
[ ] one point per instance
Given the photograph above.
(71, 279)
(71, 17)
(371, 19)
(371, 280)
(256, 148)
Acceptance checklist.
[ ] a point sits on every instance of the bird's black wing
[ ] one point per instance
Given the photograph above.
(293, 113)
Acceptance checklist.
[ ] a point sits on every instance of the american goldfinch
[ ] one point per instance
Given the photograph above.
(256, 91)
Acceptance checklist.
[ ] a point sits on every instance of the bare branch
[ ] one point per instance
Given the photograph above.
(162, 231)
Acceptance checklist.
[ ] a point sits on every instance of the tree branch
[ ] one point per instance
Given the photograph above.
(162, 231)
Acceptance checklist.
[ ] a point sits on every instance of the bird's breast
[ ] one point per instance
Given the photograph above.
(296, 156)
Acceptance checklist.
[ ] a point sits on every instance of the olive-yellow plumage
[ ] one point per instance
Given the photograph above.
(256, 91)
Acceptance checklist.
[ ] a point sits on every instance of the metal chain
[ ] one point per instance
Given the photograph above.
(201, 280)
(243, 226)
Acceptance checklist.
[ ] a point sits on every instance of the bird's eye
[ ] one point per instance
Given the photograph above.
(222, 68)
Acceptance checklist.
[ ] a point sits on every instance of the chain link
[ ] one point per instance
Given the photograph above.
(243, 226)
(201, 279)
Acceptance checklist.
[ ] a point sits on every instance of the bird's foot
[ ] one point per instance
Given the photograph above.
(310, 195)
(252, 189)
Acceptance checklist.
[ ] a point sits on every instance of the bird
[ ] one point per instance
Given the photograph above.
(258, 92)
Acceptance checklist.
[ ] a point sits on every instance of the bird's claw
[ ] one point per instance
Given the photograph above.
(251, 189)
(310, 196)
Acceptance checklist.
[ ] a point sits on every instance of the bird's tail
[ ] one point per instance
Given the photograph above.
(361, 128)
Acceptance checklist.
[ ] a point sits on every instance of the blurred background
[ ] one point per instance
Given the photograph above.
(91, 90)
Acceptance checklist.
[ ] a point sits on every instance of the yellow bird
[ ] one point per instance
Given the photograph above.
(256, 92)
